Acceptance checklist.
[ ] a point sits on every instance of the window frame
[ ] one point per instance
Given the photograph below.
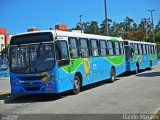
(57, 51)
(115, 49)
(77, 47)
(110, 48)
(100, 48)
(97, 44)
(88, 48)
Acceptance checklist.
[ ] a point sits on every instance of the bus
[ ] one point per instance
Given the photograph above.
(140, 55)
(4, 71)
(55, 61)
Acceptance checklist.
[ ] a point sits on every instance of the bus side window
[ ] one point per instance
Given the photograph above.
(110, 48)
(94, 47)
(62, 53)
(136, 49)
(155, 49)
(117, 48)
(103, 48)
(149, 49)
(144, 49)
(140, 49)
(121, 48)
(84, 48)
(131, 49)
(74, 51)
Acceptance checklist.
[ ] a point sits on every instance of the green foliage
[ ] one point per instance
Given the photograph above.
(127, 29)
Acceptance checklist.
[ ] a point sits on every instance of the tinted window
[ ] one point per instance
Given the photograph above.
(117, 48)
(84, 48)
(110, 47)
(94, 45)
(103, 48)
(136, 49)
(73, 48)
(140, 48)
(31, 38)
(62, 50)
(144, 49)
(121, 48)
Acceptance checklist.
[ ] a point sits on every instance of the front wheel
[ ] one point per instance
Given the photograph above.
(112, 75)
(76, 85)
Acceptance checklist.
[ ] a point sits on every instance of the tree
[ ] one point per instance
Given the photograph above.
(103, 28)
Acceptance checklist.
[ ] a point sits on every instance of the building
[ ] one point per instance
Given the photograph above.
(8, 38)
(2, 42)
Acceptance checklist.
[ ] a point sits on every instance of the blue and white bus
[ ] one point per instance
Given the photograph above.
(4, 71)
(140, 55)
(56, 61)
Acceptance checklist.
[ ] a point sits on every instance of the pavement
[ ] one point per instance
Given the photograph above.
(130, 94)
(4, 85)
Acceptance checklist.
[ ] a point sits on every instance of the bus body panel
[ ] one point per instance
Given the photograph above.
(61, 78)
(143, 60)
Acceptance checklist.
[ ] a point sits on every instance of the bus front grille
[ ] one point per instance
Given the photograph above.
(32, 77)
(32, 88)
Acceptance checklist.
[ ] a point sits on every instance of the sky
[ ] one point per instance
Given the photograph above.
(19, 15)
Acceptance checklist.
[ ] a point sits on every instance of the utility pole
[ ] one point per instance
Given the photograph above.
(106, 18)
(81, 23)
(146, 21)
(152, 29)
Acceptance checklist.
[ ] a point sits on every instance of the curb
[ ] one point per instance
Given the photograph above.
(5, 92)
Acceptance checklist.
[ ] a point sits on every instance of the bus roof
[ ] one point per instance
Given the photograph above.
(148, 43)
(59, 33)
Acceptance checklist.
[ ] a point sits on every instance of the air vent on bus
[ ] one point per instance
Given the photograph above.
(32, 77)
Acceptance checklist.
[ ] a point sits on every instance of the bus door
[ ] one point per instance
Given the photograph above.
(127, 50)
(95, 59)
(64, 81)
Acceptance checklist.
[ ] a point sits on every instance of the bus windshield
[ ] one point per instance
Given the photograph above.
(32, 58)
(3, 62)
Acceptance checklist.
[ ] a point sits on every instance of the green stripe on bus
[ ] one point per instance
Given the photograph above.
(116, 60)
(152, 56)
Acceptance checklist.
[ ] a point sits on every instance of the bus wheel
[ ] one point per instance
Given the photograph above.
(137, 69)
(112, 75)
(77, 85)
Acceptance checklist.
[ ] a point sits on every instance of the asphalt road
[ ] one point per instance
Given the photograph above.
(130, 94)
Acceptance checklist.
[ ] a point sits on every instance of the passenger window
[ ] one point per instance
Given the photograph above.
(117, 48)
(110, 47)
(84, 48)
(94, 45)
(144, 49)
(121, 48)
(74, 51)
(136, 49)
(103, 48)
(62, 50)
(131, 49)
(140, 49)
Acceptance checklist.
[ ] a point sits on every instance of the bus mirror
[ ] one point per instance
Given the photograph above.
(63, 63)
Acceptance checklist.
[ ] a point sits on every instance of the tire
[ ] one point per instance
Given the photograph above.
(137, 69)
(112, 75)
(76, 85)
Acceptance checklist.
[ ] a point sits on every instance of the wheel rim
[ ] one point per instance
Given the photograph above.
(136, 69)
(113, 76)
(76, 85)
